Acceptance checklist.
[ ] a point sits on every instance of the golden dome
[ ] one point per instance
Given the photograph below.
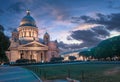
(28, 20)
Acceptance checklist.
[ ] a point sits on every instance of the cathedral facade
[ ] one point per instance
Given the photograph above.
(25, 43)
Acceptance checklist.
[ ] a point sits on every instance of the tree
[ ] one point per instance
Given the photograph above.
(108, 48)
(56, 59)
(72, 58)
(4, 44)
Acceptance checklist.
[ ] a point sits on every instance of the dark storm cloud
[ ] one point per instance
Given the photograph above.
(82, 34)
(101, 31)
(94, 35)
(90, 37)
(17, 7)
(85, 35)
(111, 22)
(86, 18)
(101, 19)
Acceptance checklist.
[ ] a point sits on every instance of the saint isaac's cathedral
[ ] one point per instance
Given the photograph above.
(25, 43)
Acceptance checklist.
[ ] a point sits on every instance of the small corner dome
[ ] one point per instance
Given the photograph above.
(28, 20)
(46, 34)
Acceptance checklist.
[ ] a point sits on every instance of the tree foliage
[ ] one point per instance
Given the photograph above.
(4, 44)
(72, 58)
(56, 59)
(107, 48)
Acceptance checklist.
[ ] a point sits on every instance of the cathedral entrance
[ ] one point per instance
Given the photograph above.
(33, 51)
(38, 56)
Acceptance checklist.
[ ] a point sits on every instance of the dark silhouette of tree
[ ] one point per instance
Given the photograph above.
(4, 44)
(56, 59)
(107, 48)
(72, 58)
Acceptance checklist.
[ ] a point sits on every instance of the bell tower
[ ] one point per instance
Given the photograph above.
(15, 35)
(46, 38)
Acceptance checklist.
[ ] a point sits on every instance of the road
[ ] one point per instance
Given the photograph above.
(17, 74)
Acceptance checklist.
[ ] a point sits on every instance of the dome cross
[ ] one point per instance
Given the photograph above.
(28, 12)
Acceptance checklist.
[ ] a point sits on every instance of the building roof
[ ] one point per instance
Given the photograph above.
(25, 41)
(28, 20)
(28, 41)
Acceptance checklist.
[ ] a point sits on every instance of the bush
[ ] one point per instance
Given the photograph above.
(56, 59)
(72, 58)
(33, 61)
(22, 61)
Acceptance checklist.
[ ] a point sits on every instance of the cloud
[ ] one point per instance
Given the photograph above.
(67, 47)
(101, 31)
(86, 26)
(90, 37)
(110, 22)
(17, 7)
(84, 35)
(92, 30)
(55, 15)
(114, 33)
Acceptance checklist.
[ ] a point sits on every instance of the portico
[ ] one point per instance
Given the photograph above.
(33, 50)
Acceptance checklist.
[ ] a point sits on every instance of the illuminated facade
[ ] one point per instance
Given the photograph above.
(25, 43)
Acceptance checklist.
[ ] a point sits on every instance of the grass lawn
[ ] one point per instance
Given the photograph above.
(83, 72)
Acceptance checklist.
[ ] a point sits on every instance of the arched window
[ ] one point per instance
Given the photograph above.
(21, 56)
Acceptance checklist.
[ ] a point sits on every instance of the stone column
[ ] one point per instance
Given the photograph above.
(39, 56)
(30, 55)
(43, 56)
(32, 33)
(26, 54)
(23, 54)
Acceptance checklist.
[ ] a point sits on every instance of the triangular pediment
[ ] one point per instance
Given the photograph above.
(34, 44)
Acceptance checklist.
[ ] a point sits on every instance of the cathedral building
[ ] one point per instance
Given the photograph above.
(25, 43)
